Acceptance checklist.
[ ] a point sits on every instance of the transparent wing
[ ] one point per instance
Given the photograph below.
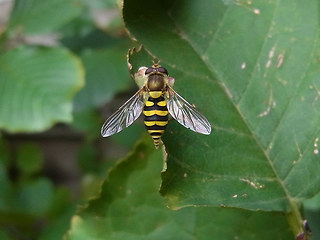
(125, 115)
(186, 114)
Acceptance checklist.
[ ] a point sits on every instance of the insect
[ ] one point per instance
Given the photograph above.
(156, 99)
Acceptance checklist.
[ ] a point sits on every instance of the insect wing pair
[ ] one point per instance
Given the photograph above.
(182, 111)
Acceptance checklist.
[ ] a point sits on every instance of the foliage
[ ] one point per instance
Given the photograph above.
(251, 67)
(130, 208)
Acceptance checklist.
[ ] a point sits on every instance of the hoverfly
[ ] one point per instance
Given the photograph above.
(156, 99)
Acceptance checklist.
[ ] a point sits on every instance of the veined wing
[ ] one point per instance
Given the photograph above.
(186, 114)
(124, 116)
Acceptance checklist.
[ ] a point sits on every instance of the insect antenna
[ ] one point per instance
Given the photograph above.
(156, 65)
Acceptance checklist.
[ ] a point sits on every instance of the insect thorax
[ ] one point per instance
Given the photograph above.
(155, 82)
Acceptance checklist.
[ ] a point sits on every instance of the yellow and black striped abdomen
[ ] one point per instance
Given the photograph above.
(155, 116)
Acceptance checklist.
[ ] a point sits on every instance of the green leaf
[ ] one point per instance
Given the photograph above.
(36, 16)
(313, 203)
(33, 197)
(252, 68)
(87, 158)
(130, 207)
(29, 158)
(106, 15)
(88, 121)
(106, 74)
(60, 214)
(97, 4)
(5, 187)
(6, 8)
(55, 230)
(4, 152)
(36, 88)
(312, 214)
(4, 235)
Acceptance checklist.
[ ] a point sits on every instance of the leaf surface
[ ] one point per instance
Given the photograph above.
(38, 17)
(106, 75)
(130, 207)
(252, 68)
(36, 88)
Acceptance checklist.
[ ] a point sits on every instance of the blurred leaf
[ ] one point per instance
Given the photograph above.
(37, 16)
(33, 197)
(252, 68)
(312, 214)
(79, 41)
(106, 74)
(313, 203)
(76, 29)
(98, 4)
(87, 158)
(106, 14)
(36, 88)
(5, 187)
(313, 217)
(5, 236)
(99, 25)
(4, 152)
(57, 228)
(29, 158)
(89, 122)
(130, 207)
(60, 202)
(91, 186)
(60, 214)
(5, 11)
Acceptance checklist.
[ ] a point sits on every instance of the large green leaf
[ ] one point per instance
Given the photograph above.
(37, 16)
(36, 88)
(252, 68)
(130, 207)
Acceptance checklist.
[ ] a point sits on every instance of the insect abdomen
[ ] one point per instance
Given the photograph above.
(155, 116)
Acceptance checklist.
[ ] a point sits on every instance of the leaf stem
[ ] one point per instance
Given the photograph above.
(295, 219)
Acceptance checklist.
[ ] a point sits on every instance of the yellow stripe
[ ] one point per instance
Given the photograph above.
(162, 103)
(152, 123)
(149, 104)
(155, 94)
(156, 131)
(149, 123)
(153, 112)
(162, 123)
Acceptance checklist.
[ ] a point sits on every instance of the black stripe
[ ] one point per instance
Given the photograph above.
(156, 127)
(155, 138)
(155, 134)
(156, 118)
(155, 107)
(156, 100)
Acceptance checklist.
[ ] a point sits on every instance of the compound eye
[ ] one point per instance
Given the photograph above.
(163, 70)
(149, 70)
